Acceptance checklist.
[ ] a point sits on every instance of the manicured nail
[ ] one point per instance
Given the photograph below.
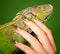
(19, 29)
(14, 41)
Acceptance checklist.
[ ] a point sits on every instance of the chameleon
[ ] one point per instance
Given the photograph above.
(7, 34)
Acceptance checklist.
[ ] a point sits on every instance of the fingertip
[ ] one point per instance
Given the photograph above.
(16, 42)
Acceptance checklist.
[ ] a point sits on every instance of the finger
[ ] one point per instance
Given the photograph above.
(25, 48)
(47, 31)
(33, 41)
(41, 36)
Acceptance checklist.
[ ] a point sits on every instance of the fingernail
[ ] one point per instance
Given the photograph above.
(19, 29)
(14, 41)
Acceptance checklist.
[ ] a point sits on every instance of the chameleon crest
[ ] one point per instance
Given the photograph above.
(7, 34)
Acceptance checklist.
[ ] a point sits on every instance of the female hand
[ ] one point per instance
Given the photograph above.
(45, 43)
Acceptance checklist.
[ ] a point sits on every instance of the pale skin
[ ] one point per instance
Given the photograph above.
(45, 43)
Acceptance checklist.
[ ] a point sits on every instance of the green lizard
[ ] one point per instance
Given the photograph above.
(7, 34)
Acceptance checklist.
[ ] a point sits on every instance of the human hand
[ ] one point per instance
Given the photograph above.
(45, 43)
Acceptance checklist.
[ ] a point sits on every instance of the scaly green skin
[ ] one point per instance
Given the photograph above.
(7, 34)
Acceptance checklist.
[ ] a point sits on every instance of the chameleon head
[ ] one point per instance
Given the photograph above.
(47, 8)
(44, 11)
(41, 11)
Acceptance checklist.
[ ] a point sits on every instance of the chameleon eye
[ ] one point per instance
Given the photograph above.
(39, 7)
(43, 8)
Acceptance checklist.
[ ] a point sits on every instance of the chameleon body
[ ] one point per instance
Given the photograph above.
(7, 34)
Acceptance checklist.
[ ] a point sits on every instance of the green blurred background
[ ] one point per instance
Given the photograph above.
(9, 8)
